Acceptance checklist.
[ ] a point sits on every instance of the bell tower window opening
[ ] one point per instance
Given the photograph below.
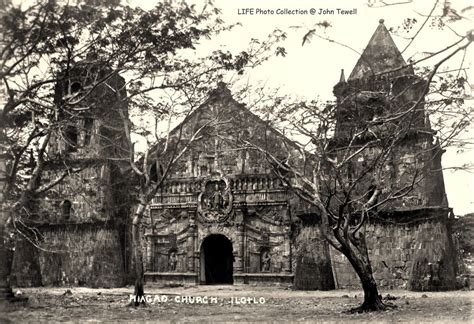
(88, 125)
(71, 138)
(74, 87)
(154, 172)
(66, 209)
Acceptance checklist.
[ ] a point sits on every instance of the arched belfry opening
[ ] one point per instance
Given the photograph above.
(216, 260)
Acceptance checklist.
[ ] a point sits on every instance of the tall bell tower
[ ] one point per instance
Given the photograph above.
(383, 94)
(85, 216)
(381, 109)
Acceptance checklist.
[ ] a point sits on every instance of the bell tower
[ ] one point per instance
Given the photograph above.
(84, 216)
(91, 108)
(91, 140)
(381, 116)
(384, 97)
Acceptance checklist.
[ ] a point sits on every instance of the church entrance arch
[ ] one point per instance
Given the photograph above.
(216, 260)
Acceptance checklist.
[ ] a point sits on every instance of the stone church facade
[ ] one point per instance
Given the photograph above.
(223, 216)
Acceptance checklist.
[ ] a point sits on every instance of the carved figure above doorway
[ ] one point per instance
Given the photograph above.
(215, 199)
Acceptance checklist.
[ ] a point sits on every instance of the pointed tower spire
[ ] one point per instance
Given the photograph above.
(343, 77)
(380, 55)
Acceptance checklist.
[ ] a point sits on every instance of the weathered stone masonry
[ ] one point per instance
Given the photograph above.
(229, 196)
(79, 254)
(409, 239)
(222, 216)
(81, 226)
(398, 249)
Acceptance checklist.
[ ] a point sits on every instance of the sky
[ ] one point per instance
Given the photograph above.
(312, 70)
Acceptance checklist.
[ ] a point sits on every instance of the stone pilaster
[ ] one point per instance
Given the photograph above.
(289, 263)
(192, 241)
(149, 252)
(240, 255)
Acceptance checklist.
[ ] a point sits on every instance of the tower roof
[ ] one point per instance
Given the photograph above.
(380, 55)
(342, 78)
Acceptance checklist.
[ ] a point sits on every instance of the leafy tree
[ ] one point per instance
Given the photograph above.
(47, 42)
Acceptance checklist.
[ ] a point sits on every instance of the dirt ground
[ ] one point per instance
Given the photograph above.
(237, 303)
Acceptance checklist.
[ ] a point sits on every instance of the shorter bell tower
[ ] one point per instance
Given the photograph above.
(90, 140)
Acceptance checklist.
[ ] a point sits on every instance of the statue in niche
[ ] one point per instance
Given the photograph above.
(215, 200)
(173, 261)
(215, 197)
(265, 261)
(434, 271)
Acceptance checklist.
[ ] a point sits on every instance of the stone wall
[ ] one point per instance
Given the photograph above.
(87, 254)
(312, 262)
(86, 192)
(26, 268)
(463, 236)
(417, 256)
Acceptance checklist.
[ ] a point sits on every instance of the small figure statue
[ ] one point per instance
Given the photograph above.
(217, 200)
(226, 201)
(173, 261)
(265, 261)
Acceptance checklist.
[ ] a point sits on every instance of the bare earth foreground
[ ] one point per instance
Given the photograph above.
(226, 303)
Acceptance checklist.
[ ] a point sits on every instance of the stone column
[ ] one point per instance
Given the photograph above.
(192, 240)
(240, 249)
(288, 265)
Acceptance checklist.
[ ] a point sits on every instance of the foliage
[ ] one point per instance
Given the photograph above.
(63, 62)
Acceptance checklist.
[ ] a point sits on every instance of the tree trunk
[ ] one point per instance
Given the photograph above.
(5, 255)
(6, 292)
(6, 252)
(372, 299)
(138, 254)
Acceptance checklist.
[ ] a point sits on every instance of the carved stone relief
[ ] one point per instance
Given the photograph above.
(173, 261)
(215, 200)
(265, 260)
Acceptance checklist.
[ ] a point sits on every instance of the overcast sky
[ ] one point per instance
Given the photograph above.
(313, 69)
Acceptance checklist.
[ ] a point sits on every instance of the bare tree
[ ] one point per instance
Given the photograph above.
(358, 164)
(154, 163)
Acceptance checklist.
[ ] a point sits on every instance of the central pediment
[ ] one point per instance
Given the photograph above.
(223, 136)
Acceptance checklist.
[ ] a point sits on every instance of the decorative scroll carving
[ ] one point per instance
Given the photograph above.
(272, 215)
(265, 237)
(215, 200)
(164, 214)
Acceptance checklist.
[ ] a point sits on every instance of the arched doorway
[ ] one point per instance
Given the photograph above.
(216, 260)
